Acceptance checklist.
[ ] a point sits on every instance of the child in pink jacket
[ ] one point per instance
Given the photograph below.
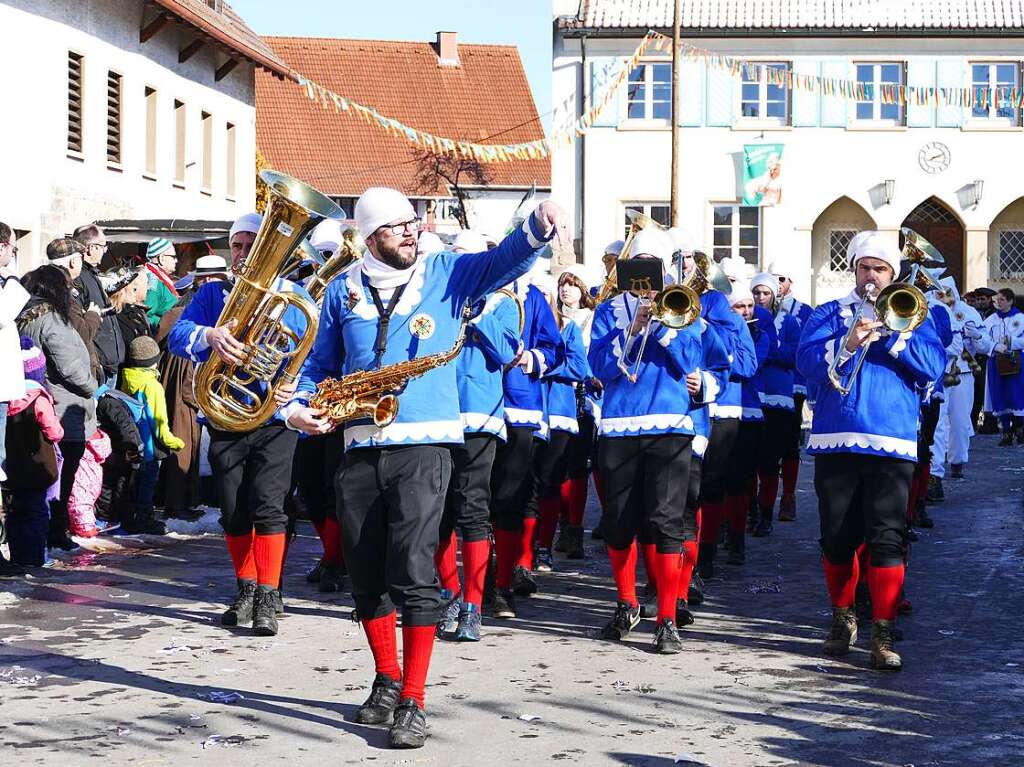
(87, 486)
(33, 460)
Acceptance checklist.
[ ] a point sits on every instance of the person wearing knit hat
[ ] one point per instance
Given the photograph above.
(469, 241)
(612, 251)
(392, 306)
(326, 236)
(161, 295)
(251, 467)
(782, 422)
(429, 243)
(865, 443)
(33, 361)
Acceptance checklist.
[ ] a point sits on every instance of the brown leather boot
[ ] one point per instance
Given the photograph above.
(787, 508)
(843, 632)
(883, 655)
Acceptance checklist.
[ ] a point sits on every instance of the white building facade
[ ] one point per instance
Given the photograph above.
(951, 173)
(126, 110)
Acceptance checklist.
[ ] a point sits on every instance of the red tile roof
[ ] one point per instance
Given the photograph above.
(486, 99)
(227, 28)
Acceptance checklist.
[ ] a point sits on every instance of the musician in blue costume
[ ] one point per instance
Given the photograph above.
(1005, 330)
(863, 463)
(391, 307)
(646, 436)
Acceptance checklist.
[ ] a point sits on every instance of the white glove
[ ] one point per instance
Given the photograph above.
(972, 332)
(999, 348)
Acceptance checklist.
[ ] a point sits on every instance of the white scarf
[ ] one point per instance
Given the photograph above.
(382, 276)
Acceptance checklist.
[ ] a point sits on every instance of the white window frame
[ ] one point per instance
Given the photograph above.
(645, 207)
(992, 118)
(648, 118)
(876, 100)
(762, 96)
(735, 227)
(995, 270)
(828, 261)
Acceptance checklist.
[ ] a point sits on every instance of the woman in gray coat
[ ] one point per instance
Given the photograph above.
(46, 320)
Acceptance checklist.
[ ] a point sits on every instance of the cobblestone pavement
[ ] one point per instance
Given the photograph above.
(114, 656)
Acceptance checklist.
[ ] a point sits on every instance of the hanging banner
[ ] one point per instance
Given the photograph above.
(762, 175)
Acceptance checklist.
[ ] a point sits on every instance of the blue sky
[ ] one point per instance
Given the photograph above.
(525, 24)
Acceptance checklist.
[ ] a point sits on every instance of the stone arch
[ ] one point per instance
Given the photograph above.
(937, 221)
(831, 232)
(1006, 247)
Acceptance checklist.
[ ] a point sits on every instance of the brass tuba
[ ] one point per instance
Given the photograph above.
(228, 394)
(372, 393)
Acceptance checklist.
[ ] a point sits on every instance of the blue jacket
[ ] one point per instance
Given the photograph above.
(751, 394)
(801, 312)
(744, 365)
(943, 320)
(492, 342)
(426, 320)
(880, 414)
(526, 394)
(658, 403)
(776, 375)
(188, 336)
(562, 381)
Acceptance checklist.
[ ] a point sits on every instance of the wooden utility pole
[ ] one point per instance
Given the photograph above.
(676, 23)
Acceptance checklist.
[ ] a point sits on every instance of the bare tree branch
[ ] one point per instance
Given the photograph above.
(446, 174)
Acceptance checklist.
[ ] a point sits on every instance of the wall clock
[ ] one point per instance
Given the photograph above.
(934, 157)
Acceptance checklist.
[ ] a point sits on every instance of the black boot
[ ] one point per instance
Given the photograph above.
(57, 537)
(1007, 440)
(523, 582)
(764, 522)
(314, 573)
(936, 493)
(562, 541)
(648, 601)
(332, 579)
(378, 708)
(141, 521)
(575, 548)
(706, 560)
(409, 729)
(956, 471)
(695, 594)
(921, 518)
(240, 612)
(264, 614)
(737, 548)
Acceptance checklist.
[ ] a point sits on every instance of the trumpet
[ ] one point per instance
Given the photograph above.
(900, 307)
(675, 306)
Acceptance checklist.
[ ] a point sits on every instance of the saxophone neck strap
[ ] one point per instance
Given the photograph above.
(380, 344)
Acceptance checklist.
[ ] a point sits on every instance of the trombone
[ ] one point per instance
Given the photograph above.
(901, 307)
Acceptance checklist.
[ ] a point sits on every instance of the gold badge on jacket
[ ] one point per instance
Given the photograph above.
(422, 326)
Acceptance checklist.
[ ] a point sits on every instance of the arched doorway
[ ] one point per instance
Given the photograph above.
(830, 237)
(1006, 247)
(934, 221)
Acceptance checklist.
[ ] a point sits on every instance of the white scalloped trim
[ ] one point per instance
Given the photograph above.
(521, 417)
(620, 310)
(640, 423)
(777, 400)
(901, 344)
(700, 445)
(902, 447)
(1008, 412)
(477, 422)
(710, 388)
(423, 432)
(564, 423)
(668, 337)
(725, 411)
(801, 389)
(752, 414)
(411, 296)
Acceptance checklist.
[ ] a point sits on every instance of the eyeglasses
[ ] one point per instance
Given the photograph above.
(100, 245)
(412, 225)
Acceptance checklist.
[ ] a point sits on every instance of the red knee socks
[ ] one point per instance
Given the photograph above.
(686, 564)
(790, 474)
(550, 509)
(712, 515)
(474, 569)
(565, 496)
(268, 551)
(380, 633)
(577, 500)
(769, 488)
(417, 644)
(624, 571)
(506, 545)
(240, 549)
(841, 581)
(886, 584)
(736, 507)
(329, 532)
(666, 567)
(649, 551)
(525, 550)
(863, 563)
(446, 563)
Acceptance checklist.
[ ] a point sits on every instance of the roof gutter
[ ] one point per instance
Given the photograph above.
(571, 33)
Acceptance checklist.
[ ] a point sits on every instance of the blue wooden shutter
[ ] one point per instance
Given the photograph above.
(691, 93)
(805, 102)
(920, 74)
(720, 96)
(602, 74)
(950, 73)
(833, 107)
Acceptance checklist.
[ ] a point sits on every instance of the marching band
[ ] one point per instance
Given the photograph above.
(441, 404)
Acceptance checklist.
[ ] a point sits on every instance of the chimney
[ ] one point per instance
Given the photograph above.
(447, 49)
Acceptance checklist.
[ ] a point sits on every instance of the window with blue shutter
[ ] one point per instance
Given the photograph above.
(950, 73)
(833, 105)
(920, 74)
(603, 70)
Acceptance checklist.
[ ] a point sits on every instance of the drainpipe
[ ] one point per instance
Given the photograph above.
(583, 147)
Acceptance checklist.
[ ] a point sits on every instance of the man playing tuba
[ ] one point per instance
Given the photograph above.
(393, 307)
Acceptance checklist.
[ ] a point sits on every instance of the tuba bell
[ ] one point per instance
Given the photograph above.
(241, 397)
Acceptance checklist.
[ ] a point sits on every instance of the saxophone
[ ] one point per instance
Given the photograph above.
(371, 393)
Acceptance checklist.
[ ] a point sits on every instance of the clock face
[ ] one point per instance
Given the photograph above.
(934, 157)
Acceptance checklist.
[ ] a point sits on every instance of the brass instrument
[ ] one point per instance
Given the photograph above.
(952, 376)
(273, 353)
(519, 305)
(307, 263)
(637, 222)
(972, 363)
(674, 306)
(707, 274)
(371, 393)
(900, 307)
